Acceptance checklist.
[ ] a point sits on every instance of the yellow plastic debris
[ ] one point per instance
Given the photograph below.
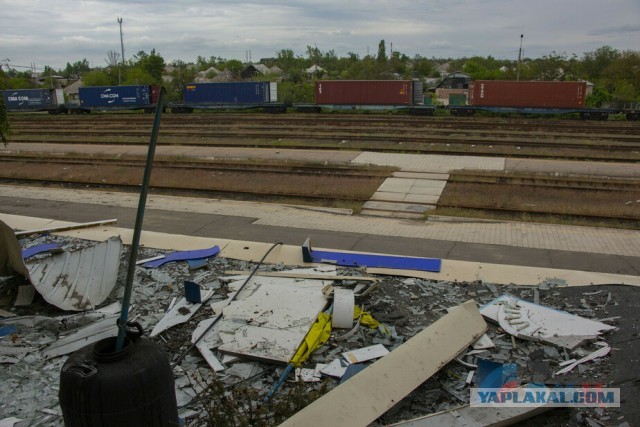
(318, 334)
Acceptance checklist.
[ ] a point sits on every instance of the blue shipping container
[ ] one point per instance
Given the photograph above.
(226, 93)
(27, 99)
(115, 96)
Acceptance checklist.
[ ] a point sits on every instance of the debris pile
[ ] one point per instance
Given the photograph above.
(259, 347)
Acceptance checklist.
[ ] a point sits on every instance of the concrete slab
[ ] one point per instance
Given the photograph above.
(428, 183)
(398, 207)
(397, 185)
(421, 175)
(423, 199)
(430, 162)
(391, 214)
(433, 191)
(387, 196)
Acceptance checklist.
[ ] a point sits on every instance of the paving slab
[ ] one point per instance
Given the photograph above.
(392, 214)
(421, 175)
(431, 162)
(395, 206)
(388, 196)
(397, 185)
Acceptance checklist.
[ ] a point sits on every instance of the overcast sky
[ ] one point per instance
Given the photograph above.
(54, 32)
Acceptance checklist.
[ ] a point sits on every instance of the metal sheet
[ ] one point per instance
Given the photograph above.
(271, 317)
(354, 259)
(180, 313)
(78, 280)
(183, 256)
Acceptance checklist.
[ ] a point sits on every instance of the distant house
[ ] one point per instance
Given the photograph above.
(207, 75)
(453, 88)
(315, 69)
(72, 91)
(223, 76)
(253, 70)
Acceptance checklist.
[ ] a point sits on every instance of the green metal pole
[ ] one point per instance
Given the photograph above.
(135, 242)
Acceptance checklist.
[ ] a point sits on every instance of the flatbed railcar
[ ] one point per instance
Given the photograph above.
(341, 95)
(532, 97)
(229, 96)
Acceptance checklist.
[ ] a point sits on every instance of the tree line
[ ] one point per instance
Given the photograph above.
(615, 73)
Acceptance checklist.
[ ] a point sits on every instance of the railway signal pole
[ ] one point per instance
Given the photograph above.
(122, 48)
(519, 57)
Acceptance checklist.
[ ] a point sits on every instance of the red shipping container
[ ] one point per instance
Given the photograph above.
(364, 92)
(527, 94)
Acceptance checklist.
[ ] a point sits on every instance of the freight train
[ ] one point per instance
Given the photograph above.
(522, 97)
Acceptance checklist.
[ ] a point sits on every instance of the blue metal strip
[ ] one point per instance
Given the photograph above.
(183, 256)
(34, 250)
(370, 260)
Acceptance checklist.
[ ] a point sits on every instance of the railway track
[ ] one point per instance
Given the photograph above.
(195, 164)
(383, 133)
(400, 121)
(326, 185)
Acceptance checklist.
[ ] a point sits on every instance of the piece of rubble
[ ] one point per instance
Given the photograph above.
(592, 356)
(539, 323)
(365, 354)
(470, 416)
(78, 280)
(181, 312)
(183, 256)
(373, 391)
(270, 317)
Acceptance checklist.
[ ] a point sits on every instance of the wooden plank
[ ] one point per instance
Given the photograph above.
(372, 392)
(302, 275)
(469, 416)
(66, 227)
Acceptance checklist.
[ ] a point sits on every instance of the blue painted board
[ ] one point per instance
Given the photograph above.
(34, 250)
(370, 260)
(183, 256)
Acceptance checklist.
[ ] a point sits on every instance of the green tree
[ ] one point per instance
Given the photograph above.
(421, 67)
(234, 66)
(549, 67)
(382, 53)
(150, 67)
(75, 70)
(314, 55)
(98, 78)
(622, 76)
(594, 63)
(286, 60)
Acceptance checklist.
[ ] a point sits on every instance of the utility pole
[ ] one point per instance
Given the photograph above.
(122, 49)
(519, 57)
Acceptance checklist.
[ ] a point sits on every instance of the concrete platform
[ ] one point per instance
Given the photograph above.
(537, 245)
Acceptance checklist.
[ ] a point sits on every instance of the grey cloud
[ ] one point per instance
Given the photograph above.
(624, 29)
